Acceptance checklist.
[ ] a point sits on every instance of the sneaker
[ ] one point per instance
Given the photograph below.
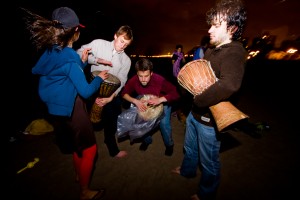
(169, 151)
(144, 146)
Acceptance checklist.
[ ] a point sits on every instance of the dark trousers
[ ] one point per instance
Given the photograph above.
(185, 102)
(75, 133)
(109, 120)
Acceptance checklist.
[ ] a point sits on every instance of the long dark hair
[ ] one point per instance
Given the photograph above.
(45, 33)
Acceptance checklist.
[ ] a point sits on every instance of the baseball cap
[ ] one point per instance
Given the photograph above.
(67, 17)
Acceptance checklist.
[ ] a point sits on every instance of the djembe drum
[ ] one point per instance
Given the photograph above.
(152, 112)
(107, 88)
(135, 124)
(196, 76)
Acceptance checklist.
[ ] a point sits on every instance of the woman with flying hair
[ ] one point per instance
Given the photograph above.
(63, 88)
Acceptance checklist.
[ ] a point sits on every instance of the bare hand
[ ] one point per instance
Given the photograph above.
(154, 101)
(85, 54)
(104, 62)
(141, 105)
(103, 101)
(103, 74)
(99, 102)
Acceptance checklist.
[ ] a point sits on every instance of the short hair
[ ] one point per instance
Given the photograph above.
(126, 31)
(179, 46)
(233, 12)
(143, 64)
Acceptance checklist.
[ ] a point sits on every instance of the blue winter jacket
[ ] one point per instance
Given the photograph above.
(62, 78)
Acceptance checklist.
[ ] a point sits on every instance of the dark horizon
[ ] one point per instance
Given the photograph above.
(159, 25)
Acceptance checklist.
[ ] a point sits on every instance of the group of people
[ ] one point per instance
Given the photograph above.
(64, 89)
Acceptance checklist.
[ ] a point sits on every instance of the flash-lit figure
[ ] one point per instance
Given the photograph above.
(228, 58)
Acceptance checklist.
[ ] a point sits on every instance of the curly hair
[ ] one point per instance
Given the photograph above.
(45, 33)
(233, 12)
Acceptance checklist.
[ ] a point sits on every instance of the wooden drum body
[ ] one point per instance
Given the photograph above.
(107, 88)
(196, 76)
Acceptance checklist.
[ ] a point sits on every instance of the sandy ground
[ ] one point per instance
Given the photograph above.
(265, 167)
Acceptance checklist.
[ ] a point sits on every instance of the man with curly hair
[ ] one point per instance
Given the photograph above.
(228, 58)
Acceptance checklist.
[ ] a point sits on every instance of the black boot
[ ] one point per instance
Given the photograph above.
(169, 150)
(144, 146)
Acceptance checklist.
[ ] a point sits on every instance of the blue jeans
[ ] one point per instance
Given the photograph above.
(165, 128)
(201, 145)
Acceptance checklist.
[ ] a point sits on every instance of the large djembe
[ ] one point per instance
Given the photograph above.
(107, 88)
(196, 76)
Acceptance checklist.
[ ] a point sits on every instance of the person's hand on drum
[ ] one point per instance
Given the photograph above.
(154, 101)
(103, 74)
(140, 104)
(85, 54)
(103, 101)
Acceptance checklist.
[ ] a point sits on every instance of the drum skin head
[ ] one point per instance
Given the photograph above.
(111, 78)
(152, 112)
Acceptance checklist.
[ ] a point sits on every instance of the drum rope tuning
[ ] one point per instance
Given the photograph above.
(196, 76)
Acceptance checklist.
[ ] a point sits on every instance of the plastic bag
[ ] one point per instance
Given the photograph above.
(131, 124)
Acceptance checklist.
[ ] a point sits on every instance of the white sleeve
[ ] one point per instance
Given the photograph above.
(91, 58)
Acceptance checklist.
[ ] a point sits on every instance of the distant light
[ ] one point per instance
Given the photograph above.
(291, 50)
(252, 54)
(158, 56)
(153, 56)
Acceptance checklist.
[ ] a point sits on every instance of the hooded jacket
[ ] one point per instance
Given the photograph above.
(62, 78)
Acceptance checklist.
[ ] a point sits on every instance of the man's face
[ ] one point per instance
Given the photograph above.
(219, 34)
(144, 77)
(120, 43)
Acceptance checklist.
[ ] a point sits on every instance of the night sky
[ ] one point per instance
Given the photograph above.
(158, 25)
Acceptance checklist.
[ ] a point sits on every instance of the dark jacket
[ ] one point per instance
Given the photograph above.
(228, 62)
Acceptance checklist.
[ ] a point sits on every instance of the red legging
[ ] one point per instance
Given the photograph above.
(84, 165)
